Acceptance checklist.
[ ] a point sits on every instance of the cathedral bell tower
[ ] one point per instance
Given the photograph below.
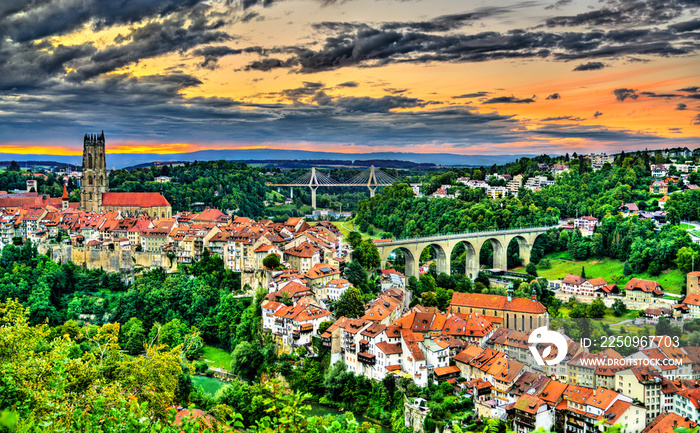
(94, 181)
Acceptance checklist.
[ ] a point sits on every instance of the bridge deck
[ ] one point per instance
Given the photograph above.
(452, 236)
(334, 184)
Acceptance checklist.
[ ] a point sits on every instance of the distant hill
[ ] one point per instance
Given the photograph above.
(122, 160)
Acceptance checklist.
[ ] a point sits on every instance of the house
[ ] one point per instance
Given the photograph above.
(652, 315)
(658, 187)
(333, 289)
(629, 209)
(667, 422)
(515, 313)
(532, 413)
(586, 225)
(686, 403)
(662, 202)
(638, 290)
(644, 385)
(303, 257)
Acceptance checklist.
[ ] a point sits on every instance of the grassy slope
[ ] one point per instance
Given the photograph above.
(671, 280)
(216, 357)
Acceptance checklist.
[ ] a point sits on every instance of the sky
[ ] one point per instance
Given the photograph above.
(467, 77)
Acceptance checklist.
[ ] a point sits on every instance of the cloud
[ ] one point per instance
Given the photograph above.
(471, 95)
(659, 95)
(558, 4)
(41, 18)
(597, 114)
(362, 45)
(555, 119)
(695, 120)
(681, 107)
(212, 53)
(554, 96)
(590, 66)
(349, 84)
(624, 93)
(675, 130)
(693, 89)
(509, 100)
(686, 26)
(626, 12)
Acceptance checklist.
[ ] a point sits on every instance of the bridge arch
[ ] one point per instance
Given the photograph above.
(409, 256)
(499, 251)
(441, 257)
(470, 266)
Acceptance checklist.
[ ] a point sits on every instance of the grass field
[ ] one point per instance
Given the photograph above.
(216, 357)
(686, 226)
(671, 280)
(609, 318)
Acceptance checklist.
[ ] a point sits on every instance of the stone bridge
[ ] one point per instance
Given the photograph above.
(473, 241)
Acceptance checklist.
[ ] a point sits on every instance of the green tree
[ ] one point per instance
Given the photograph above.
(619, 308)
(132, 336)
(627, 269)
(350, 304)
(367, 254)
(354, 238)
(272, 261)
(531, 269)
(684, 259)
(597, 309)
(247, 361)
(355, 273)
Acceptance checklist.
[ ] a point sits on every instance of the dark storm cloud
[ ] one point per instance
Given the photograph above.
(471, 95)
(353, 45)
(509, 100)
(152, 40)
(590, 66)
(686, 26)
(681, 107)
(367, 104)
(554, 96)
(597, 114)
(39, 19)
(554, 119)
(626, 12)
(694, 89)
(624, 93)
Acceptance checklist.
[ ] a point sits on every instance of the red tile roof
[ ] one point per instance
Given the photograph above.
(134, 199)
(496, 302)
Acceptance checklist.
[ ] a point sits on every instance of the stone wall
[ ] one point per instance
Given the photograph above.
(109, 260)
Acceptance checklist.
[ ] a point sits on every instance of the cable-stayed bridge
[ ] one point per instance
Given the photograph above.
(372, 178)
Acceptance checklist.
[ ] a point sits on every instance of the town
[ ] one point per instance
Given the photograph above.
(478, 343)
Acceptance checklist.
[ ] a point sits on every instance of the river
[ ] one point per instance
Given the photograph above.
(212, 384)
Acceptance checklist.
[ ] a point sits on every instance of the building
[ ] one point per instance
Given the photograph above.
(639, 290)
(94, 187)
(658, 187)
(586, 225)
(692, 283)
(644, 385)
(667, 422)
(516, 313)
(686, 403)
(532, 413)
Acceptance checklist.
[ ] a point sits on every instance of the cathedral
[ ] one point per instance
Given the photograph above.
(94, 187)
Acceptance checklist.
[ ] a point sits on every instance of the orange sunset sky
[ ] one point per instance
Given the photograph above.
(351, 76)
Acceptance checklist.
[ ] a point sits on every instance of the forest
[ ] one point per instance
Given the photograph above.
(219, 184)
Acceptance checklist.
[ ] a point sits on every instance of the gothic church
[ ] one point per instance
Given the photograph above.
(94, 187)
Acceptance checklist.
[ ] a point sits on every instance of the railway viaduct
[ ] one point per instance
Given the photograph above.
(473, 241)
